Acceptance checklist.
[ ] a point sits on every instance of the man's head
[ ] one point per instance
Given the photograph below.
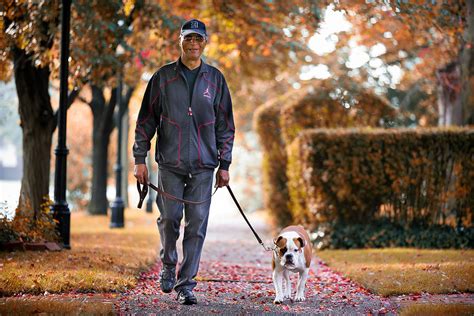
(193, 39)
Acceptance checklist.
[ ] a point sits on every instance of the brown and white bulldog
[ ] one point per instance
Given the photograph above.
(292, 254)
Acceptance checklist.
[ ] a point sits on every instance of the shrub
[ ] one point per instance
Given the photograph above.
(279, 122)
(384, 233)
(7, 233)
(408, 176)
(334, 108)
(25, 227)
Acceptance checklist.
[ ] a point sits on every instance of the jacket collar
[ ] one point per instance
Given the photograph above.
(204, 66)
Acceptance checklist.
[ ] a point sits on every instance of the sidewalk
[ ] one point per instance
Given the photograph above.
(235, 278)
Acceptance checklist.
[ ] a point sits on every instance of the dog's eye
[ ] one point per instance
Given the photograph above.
(296, 250)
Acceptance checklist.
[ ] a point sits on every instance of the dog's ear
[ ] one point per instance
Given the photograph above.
(277, 240)
(301, 241)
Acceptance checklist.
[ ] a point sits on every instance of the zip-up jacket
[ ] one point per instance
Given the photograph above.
(192, 135)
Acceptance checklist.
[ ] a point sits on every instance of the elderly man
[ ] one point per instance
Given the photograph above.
(188, 104)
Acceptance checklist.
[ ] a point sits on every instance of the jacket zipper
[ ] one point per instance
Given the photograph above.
(190, 114)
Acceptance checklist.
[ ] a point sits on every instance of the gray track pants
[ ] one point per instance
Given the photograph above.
(196, 188)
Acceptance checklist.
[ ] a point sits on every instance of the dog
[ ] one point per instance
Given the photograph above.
(292, 253)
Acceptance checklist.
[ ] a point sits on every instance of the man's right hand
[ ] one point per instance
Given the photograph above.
(141, 173)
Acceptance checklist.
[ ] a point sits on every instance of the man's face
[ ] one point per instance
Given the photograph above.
(192, 46)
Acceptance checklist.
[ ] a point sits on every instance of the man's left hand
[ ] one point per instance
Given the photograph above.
(222, 178)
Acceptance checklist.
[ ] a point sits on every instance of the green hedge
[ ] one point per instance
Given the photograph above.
(354, 176)
(383, 233)
(280, 120)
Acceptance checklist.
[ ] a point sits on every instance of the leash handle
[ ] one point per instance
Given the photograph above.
(248, 223)
(142, 192)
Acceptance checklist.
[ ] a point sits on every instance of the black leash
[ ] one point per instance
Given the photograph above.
(248, 223)
(143, 192)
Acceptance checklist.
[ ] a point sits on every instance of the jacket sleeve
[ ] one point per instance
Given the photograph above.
(148, 119)
(225, 128)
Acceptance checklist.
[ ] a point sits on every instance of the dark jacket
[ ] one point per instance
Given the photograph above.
(193, 135)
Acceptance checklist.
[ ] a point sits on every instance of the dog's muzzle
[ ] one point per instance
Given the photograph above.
(289, 259)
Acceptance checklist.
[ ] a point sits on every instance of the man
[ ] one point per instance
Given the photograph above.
(188, 104)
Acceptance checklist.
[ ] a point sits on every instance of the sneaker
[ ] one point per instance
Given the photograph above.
(186, 297)
(167, 279)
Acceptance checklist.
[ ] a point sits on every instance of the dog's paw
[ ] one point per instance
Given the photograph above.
(300, 298)
(278, 300)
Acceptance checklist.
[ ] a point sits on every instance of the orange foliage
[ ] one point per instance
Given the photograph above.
(25, 227)
(355, 176)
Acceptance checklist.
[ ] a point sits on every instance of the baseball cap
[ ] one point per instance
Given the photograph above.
(194, 26)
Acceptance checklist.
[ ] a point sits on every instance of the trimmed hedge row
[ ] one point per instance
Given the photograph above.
(357, 176)
(383, 233)
(279, 122)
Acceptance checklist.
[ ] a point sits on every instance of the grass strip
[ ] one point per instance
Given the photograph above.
(393, 271)
(437, 310)
(55, 306)
(101, 259)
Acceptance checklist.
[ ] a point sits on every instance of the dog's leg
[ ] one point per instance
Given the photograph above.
(303, 276)
(287, 284)
(277, 282)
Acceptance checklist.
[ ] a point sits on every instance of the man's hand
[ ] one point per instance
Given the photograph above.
(222, 178)
(141, 173)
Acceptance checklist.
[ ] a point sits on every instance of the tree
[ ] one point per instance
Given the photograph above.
(27, 38)
(431, 45)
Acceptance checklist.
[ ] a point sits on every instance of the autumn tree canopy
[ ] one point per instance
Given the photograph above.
(410, 52)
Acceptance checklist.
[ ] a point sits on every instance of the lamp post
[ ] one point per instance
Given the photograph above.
(117, 206)
(60, 207)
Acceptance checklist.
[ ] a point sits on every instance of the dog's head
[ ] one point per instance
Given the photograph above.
(289, 249)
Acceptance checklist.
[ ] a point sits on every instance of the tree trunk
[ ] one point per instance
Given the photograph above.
(456, 81)
(102, 128)
(37, 123)
(467, 69)
(99, 204)
(449, 96)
